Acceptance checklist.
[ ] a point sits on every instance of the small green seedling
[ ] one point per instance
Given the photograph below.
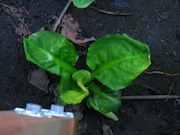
(82, 3)
(114, 60)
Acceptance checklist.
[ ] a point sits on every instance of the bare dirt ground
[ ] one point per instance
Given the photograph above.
(156, 23)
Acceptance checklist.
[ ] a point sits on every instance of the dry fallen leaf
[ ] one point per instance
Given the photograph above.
(19, 13)
(23, 30)
(71, 30)
(39, 79)
(107, 130)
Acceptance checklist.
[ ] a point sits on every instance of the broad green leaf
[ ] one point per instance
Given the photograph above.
(107, 100)
(82, 3)
(91, 104)
(69, 91)
(117, 60)
(51, 51)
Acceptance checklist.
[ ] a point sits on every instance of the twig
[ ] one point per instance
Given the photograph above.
(59, 19)
(145, 86)
(111, 13)
(150, 97)
(162, 73)
(11, 22)
(15, 46)
(176, 111)
(170, 89)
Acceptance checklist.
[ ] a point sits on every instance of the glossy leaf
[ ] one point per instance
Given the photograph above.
(107, 100)
(82, 3)
(91, 104)
(69, 91)
(51, 51)
(117, 60)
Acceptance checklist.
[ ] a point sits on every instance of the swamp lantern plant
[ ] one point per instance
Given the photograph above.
(82, 3)
(114, 60)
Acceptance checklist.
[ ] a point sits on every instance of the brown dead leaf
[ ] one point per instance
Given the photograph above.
(83, 41)
(39, 79)
(42, 29)
(19, 13)
(107, 130)
(71, 30)
(23, 30)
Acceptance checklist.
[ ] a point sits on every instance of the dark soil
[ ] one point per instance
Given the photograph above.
(156, 23)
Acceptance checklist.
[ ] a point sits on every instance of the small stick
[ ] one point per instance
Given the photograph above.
(145, 86)
(11, 22)
(15, 46)
(162, 73)
(150, 97)
(111, 13)
(59, 19)
(170, 89)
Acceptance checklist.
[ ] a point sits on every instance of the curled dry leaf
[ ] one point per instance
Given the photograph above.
(107, 130)
(71, 30)
(39, 79)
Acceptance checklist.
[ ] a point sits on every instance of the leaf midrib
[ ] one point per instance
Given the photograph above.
(58, 61)
(110, 64)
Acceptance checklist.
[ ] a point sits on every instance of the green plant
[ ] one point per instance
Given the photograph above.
(82, 3)
(115, 61)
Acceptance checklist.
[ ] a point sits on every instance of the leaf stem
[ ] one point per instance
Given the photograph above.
(95, 89)
(66, 66)
(83, 88)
